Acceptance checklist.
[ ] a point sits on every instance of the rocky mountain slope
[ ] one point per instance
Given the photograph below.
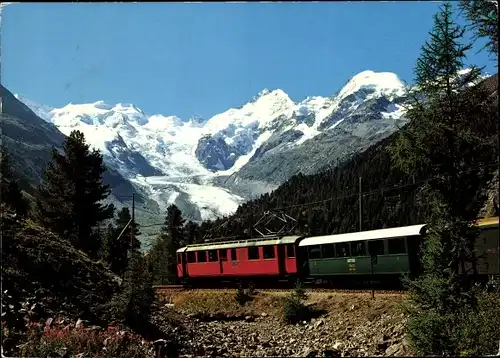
(29, 141)
(208, 167)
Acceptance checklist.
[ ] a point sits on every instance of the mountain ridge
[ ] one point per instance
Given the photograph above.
(210, 166)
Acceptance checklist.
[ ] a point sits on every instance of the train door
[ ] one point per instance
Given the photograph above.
(184, 264)
(375, 248)
(281, 260)
(222, 258)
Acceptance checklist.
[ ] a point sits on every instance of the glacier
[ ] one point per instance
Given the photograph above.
(176, 161)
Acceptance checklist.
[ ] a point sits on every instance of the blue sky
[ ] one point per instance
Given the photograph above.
(201, 59)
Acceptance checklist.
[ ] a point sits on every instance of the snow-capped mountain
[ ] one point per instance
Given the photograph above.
(208, 167)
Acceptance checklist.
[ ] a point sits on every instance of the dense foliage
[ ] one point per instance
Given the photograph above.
(163, 254)
(69, 200)
(10, 189)
(134, 303)
(118, 240)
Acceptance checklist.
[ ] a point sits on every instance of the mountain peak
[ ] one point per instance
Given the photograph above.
(384, 83)
(128, 107)
(264, 92)
(102, 105)
(196, 120)
(267, 92)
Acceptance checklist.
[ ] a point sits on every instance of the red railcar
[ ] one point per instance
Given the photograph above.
(255, 258)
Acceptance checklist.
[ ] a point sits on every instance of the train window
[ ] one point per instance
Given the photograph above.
(342, 249)
(358, 248)
(376, 247)
(191, 257)
(253, 253)
(212, 255)
(202, 256)
(269, 252)
(290, 250)
(223, 254)
(327, 251)
(315, 252)
(396, 246)
(233, 254)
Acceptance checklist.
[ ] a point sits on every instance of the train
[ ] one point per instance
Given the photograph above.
(379, 257)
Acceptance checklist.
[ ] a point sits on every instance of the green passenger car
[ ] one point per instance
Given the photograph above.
(387, 254)
(375, 253)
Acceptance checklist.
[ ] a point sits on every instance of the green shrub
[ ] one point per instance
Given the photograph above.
(294, 309)
(300, 291)
(244, 295)
(468, 332)
(480, 333)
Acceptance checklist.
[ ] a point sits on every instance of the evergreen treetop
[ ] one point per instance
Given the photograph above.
(70, 199)
(10, 190)
(483, 19)
(171, 238)
(118, 246)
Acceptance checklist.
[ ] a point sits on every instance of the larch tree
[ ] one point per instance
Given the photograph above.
(171, 238)
(118, 246)
(134, 303)
(191, 231)
(442, 140)
(69, 201)
(108, 237)
(482, 16)
(10, 190)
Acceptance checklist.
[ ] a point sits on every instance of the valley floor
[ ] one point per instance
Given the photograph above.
(351, 325)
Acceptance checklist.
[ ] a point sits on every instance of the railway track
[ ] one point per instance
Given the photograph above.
(178, 288)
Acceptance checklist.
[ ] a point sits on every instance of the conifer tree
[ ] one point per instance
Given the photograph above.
(119, 246)
(108, 238)
(134, 303)
(442, 141)
(191, 231)
(483, 18)
(11, 193)
(171, 238)
(69, 200)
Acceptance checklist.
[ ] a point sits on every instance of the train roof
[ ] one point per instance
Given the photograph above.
(240, 243)
(493, 221)
(412, 230)
(390, 233)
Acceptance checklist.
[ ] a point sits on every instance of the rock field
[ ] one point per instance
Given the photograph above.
(212, 324)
